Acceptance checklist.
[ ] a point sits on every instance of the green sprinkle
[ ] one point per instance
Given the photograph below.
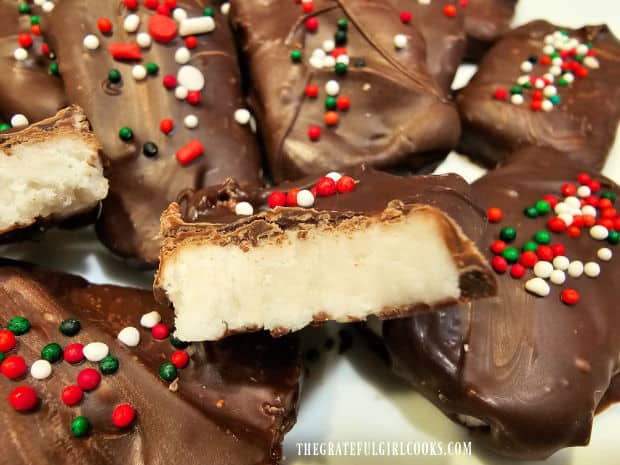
(556, 99)
(178, 343)
(330, 103)
(4, 127)
(542, 237)
(108, 365)
(2, 357)
(341, 68)
(208, 11)
(343, 24)
(23, 8)
(530, 212)
(80, 426)
(511, 254)
(18, 325)
(35, 19)
(152, 68)
(543, 207)
(70, 327)
(168, 372)
(340, 37)
(563, 82)
(527, 85)
(516, 90)
(614, 237)
(609, 195)
(125, 133)
(114, 76)
(53, 69)
(508, 234)
(530, 246)
(52, 352)
(296, 56)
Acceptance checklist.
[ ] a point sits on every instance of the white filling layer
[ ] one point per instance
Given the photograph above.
(58, 178)
(345, 274)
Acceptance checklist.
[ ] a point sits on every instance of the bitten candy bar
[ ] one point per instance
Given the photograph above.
(335, 248)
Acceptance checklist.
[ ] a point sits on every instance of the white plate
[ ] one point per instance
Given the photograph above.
(354, 397)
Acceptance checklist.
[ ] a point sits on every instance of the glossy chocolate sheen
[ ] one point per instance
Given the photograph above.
(254, 380)
(444, 35)
(534, 369)
(485, 22)
(27, 86)
(583, 125)
(142, 187)
(398, 115)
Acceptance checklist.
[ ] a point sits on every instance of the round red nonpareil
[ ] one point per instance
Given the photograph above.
(123, 416)
(72, 395)
(74, 353)
(23, 398)
(7, 340)
(13, 367)
(88, 379)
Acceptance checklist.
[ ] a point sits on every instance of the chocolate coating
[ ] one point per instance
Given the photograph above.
(583, 125)
(398, 115)
(141, 187)
(534, 369)
(256, 377)
(444, 36)
(486, 21)
(28, 87)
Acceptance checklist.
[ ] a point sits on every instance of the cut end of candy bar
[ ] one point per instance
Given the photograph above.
(49, 171)
(285, 268)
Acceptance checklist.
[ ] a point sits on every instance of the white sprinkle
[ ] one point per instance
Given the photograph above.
(583, 191)
(538, 286)
(550, 91)
(424, 2)
(129, 336)
(604, 254)
(592, 269)
(20, 54)
(568, 77)
(316, 62)
(190, 121)
(599, 232)
(305, 198)
(47, 7)
(143, 39)
(190, 77)
(588, 210)
(96, 351)
(516, 99)
(522, 80)
(558, 277)
(527, 67)
(138, 72)
(197, 25)
(549, 39)
(543, 269)
(582, 49)
(183, 55)
(555, 71)
(332, 88)
(148, 320)
(539, 83)
(549, 76)
(131, 23)
(180, 92)
(591, 62)
(567, 218)
(39, 2)
(573, 202)
(333, 175)
(547, 105)
(319, 52)
(400, 41)
(91, 42)
(41, 369)
(575, 269)
(548, 49)
(557, 61)
(329, 45)
(561, 263)
(242, 116)
(225, 8)
(562, 207)
(244, 209)
(253, 125)
(329, 62)
(19, 121)
(179, 14)
(343, 59)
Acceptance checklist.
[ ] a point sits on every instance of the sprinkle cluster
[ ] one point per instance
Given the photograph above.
(576, 211)
(564, 59)
(25, 398)
(449, 10)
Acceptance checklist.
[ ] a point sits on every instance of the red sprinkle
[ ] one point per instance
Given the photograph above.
(160, 331)
(45, 49)
(500, 94)
(23, 398)
(345, 184)
(594, 186)
(72, 395)
(121, 51)
(609, 224)
(545, 60)
(25, 40)
(191, 42)
(35, 29)
(528, 259)
(179, 358)
(544, 252)
(74, 353)
(131, 4)
(151, 4)
(123, 416)
(517, 271)
(314, 133)
(617, 224)
(13, 367)
(551, 199)
(326, 187)
(406, 16)
(170, 81)
(339, 51)
(498, 247)
(163, 9)
(570, 296)
(536, 105)
(603, 204)
(573, 231)
(558, 250)
(343, 103)
(162, 28)
(577, 221)
(166, 125)
(307, 7)
(171, 3)
(537, 95)
(291, 198)
(88, 379)
(499, 264)
(494, 214)
(276, 199)
(449, 11)
(609, 213)
(331, 118)
(312, 24)
(556, 224)
(104, 25)
(584, 178)
(569, 189)
(7, 340)
(194, 97)
(190, 152)
(312, 90)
